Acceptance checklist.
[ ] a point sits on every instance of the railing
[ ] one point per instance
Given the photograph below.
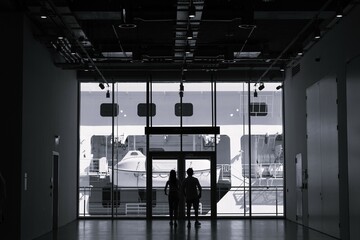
(267, 199)
(192, 209)
(135, 208)
(225, 171)
(162, 209)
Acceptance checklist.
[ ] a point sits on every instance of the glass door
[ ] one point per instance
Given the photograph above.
(204, 166)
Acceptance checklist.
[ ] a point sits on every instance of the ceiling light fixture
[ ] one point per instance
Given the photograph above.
(43, 12)
(187, 48)
(317, 32)
(316, 26)
(247, 20)
(183, 77)
(339, 10)
(127, 20)
(192, 10)
(101, 85)
(108, 94)
(185, 67)
(282, 68)
(255, 93)
(261, 87)
(189, 33)
(339, 13)
(73, 50)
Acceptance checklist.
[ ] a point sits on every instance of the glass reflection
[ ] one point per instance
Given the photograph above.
(249, 150)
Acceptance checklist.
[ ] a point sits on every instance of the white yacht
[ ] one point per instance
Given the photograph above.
(131, 170)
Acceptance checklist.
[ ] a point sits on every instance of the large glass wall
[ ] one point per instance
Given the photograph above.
(232, 117)
(95, 147)
(248, 150)
(265, 146)
(109, 187)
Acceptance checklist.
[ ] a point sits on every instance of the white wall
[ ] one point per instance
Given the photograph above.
(334, 50)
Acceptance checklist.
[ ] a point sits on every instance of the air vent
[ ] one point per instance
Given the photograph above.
(295, 69)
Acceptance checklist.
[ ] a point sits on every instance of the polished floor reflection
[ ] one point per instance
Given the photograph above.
(222, 229)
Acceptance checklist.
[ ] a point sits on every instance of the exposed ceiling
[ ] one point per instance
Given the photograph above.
(107, 37)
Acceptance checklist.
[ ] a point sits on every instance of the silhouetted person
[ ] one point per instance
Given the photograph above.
(173, 196)
(192, 192)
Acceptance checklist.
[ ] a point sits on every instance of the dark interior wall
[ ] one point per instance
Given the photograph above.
(353, 124)
(327, 58)
(50, 107)
(10, 163)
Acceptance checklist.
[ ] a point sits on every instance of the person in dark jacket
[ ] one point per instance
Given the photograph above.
(173, 196)
(192, 192)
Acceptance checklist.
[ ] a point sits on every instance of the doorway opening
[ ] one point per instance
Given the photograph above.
(205, 169)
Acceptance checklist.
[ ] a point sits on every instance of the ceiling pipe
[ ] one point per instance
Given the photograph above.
(54, 8)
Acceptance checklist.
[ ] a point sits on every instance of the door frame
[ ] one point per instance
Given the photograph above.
(54, 186)
(181, 156)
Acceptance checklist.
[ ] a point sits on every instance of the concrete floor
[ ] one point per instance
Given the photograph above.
(222, 229)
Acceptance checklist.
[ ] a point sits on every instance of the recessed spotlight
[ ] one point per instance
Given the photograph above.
(192, 10)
